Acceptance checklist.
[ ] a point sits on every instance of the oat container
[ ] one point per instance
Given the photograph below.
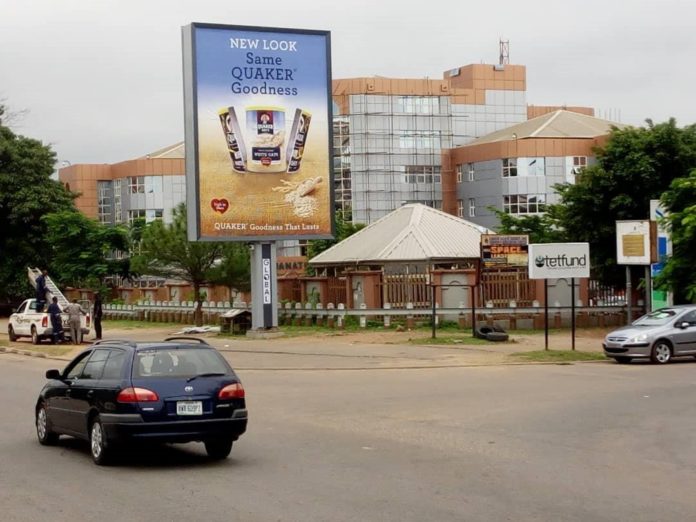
(297, 139)
(233, 137)
(265, 137)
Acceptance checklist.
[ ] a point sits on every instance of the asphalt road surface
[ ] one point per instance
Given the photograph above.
(586, 442)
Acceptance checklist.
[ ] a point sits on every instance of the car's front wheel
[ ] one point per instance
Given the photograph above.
(43, 430)
(218, 449)
(101, 452)
(11, 334)
(661, 352)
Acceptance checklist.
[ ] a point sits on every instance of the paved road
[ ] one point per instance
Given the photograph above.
(587, 442)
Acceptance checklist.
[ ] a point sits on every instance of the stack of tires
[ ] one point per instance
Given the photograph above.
(491, 333)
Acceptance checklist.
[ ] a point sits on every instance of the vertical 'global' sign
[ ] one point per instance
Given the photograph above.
(258, 133)
(559, 260)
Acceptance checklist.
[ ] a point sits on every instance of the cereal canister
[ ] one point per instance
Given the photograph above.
(265, 139)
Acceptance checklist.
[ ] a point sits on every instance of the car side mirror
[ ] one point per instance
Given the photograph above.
(53, 374)
(683, 325)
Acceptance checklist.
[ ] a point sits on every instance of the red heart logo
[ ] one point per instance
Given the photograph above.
(220, 205)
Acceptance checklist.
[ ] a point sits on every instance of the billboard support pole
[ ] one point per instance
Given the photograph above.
(629, 300)
(648, 289)
(264, 287)
(572, 311)
(432, 302)
(546, 315)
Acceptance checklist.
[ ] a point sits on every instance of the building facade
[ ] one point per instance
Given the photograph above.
(389, 134)
(149, 187)
(515, 170)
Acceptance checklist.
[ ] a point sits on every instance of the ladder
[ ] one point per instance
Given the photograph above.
(53, 290)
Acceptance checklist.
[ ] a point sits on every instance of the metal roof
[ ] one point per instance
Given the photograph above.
(557, 124)
(175, 151)
(413, 232)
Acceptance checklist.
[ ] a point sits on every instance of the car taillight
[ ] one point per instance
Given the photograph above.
(136, 395)
(44, 322)
(88, 320)
(232, 391)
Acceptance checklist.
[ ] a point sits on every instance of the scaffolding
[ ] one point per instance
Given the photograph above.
(388, 148)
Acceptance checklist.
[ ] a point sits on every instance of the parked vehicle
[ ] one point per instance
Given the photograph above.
(27, 322)
(660, 336)
(114, 392)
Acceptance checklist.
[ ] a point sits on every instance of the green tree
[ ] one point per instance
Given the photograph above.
(678, 274)
(344, 228)
(636, 164)
(234, 268)
(82, 250)
(165, 251)
(27, 193)
(541, 228)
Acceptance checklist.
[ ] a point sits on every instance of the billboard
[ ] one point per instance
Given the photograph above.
(559, 260)
(257, 105)
(503, 251)
(634, 242)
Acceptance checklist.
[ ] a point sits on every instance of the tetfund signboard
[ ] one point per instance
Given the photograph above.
(559, 260)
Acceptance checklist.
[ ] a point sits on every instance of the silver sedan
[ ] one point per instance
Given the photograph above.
(660, 335)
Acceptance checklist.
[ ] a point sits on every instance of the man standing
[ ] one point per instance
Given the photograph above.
(41, 290)
(97, 316)
(74, 311)
(56, 321)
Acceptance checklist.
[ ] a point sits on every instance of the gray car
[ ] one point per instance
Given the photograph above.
(660, 335)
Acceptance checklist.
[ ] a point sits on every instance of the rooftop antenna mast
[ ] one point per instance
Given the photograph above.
(504, 52)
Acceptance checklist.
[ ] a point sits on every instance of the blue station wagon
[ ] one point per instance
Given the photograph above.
(114, 392)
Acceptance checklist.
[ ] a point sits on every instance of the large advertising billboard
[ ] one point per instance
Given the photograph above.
(258, 133)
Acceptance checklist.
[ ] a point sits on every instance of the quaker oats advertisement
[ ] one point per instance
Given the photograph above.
(257, 106)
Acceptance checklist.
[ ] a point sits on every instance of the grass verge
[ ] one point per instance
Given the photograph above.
(558, 356)
(452, 340)
(127, 324)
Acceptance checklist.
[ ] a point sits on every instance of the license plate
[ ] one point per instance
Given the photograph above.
(189, 408)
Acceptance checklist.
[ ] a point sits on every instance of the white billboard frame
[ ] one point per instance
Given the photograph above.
(559, 260)
(633, 234)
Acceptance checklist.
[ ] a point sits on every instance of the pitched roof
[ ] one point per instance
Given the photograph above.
(175, 151)
(413, 232)
(556, 124)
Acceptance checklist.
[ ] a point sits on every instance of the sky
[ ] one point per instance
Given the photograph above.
(100, 80)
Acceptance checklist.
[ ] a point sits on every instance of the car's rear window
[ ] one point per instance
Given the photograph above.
(178, 362)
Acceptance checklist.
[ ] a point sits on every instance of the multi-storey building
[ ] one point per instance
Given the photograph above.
(389, 134)
(515, 169)
(149, 187)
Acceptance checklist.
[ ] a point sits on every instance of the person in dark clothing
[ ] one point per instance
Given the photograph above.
(41, 291)
(97, 315)
(54, 312)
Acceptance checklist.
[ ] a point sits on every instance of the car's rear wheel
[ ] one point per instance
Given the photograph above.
(11, 334)
(101, 452)
(43, 431)
(218, 449)
(623, 360)
(661, 352)
(35, 339)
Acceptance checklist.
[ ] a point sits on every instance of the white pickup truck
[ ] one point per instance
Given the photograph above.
(27, 322)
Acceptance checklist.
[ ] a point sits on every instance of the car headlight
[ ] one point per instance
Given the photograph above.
(639, 338)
